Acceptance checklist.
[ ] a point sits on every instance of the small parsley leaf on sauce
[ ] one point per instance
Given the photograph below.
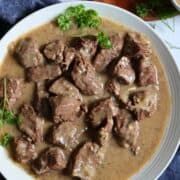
(104, 40)
(7, 116)
(5, 139)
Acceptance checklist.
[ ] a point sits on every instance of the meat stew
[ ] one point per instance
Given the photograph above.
(86, 111)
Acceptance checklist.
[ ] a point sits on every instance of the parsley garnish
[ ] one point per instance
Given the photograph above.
(6, 115)
(104, 40)
(142, 10)
(79, 16)
(5, 139)
(161, 8)
(64, 22)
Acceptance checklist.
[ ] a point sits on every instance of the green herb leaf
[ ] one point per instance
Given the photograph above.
(80, 16)
(64, 22)
(142, 10)
(104, 40)
(6, 115)
(160, 8)
(93, 20)
(75, 10)
(5, 139)
(10, 117)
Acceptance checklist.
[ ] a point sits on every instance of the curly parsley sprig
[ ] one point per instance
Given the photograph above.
(80, 16)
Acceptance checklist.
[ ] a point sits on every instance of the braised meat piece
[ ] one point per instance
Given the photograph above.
(147, 73)
(136, 46)
(31, 124)
(105, 56)
(40, 73)
(86, 161)
(28, 53)
(86, 46)
(54, 51)
(104, 133)
(127, 131)
(123, 71)
(64, 88)
(121, 92)
(13, 90)
(69, 55)
(101, 111)
(113, 87)
(84, 77)
(52, 158)
(143, 102)
(41, 102)
(24, 149)
(65, 108)
(102, 137)
(66, 134)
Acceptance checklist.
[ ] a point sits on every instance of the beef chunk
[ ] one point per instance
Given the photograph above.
(86, 161)
(52, 158)
(121, 92)
(124, 71)
(69, 55)
(31, 124)
(104, 133)
(84, 77)
(13, 89)
(54, 51)
(86, 46)
(105, 56)
(40, 73)
(64, 88)
(41, 102)
(127, 131)
(101, 111)
(113, 87)
(24, 149)
(65, 108)
(143, 102)
(147, 73)
(66, 134)
(28, 53)
(136, 46)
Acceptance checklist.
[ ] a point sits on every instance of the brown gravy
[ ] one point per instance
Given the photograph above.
(119, 163)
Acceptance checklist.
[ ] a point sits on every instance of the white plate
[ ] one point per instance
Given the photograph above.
(170, 141)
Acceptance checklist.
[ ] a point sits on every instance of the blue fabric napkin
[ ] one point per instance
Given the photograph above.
(13, 10)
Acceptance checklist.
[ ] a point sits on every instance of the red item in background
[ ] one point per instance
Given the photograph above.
(126, 4)
(130, 6)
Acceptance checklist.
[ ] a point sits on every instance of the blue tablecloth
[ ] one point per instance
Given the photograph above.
(13, 10)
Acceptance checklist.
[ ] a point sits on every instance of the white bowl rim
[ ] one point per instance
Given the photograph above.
(173, 64)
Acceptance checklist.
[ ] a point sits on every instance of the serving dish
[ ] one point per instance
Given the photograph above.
(170, 141)
(176, 4)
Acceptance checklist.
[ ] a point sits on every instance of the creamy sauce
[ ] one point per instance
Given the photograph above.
(119, 163)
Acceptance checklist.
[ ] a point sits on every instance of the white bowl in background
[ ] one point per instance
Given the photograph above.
(169, 144)
(176, 5)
